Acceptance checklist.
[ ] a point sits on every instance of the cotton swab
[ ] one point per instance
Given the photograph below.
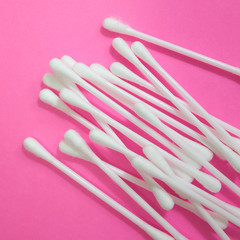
(121, 95)
(70, 62)
(144, 112)
(67, 149)
(70, 98)
(143, 165)
(160, 194)
(116, 92)
(142, 142)
(152, 153)
(140, 50)
(48, 97)
(123, 72)
(107, 75)
(114, 25)
(80, 145)
(186, 188)
(234, 159)
(31, 145)
(51, 99)
(101, 138)
(60, 69)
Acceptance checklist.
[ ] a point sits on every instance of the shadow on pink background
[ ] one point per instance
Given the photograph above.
(38, 202)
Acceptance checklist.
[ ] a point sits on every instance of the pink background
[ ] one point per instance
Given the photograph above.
(37, 201)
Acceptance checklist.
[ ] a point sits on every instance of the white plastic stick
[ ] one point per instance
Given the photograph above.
(116, 26)
(186, 188)
(74, 138)
(130, 100)
(160, 194)
(70, 62)
(67, 149)
(233, 158)
(50, 98)
(121, 95)
(37, 149)
(136, 138)
(140, 50)
(107, 75)
(209, 219)
(102, 138)
(123, 72)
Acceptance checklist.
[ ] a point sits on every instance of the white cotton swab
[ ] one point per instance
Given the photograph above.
(217, 173)
(114, 25)
(123, 72)
(50, 98)
(126, 98)
(107, 75)
(142, 110)
(70, 62)
(152, 153)
(141, 51)
(117, 92)
(186, 188)
(62, 71)
(143, 165)
(160, 194)
(68, 149)
(80, 145)
(33, 146)
(101, 138)
(233, 158)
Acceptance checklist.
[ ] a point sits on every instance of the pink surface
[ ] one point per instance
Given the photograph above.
(37, 201)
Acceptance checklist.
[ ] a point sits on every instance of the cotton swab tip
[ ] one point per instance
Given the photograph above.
(66, 148)
(115, 25)
(34, 147)
(49, 97)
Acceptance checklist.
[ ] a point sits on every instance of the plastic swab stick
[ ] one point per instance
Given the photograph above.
(123, 72)
(140, 50)
(70, 98)
(160, 194)
(72, 137)
(70, 62)
(37, 149)
(102, 138)
(86, 73)
(67, 149)
(142, 142)
(104, 73)
(209, 219)
(152, 153)
(184, 187)
(61, 70)
(234, 159)
(142, 110)
(146, 166)
(107, 75)
(114, 25)
(50, 98)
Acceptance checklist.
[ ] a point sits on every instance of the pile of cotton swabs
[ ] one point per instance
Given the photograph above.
(176, 167)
